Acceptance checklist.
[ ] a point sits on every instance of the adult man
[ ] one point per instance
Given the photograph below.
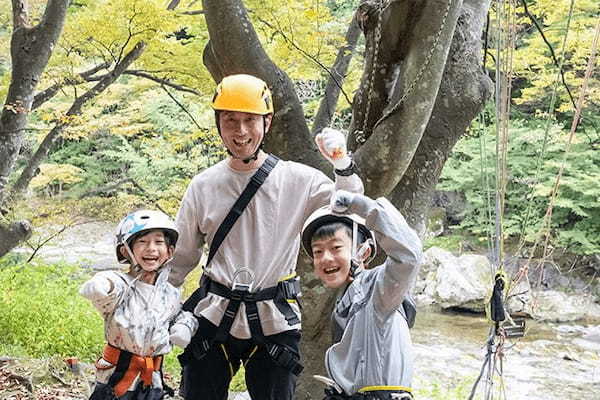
(246, 303)
(371, 358)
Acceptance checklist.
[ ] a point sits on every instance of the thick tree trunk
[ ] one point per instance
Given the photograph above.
(31, 48)
(13, 234)
(411, 62)
(44, 148)
(463, 92)
(234, 48)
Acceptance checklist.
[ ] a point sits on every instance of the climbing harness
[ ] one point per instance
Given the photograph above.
(286, 291)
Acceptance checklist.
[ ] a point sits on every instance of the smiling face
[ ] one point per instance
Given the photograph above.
(242, 132)
(151, 250)
(331, 258)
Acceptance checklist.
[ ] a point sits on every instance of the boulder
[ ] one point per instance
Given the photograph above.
(453, 282)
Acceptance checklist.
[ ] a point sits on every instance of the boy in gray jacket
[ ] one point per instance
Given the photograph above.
(371, 357)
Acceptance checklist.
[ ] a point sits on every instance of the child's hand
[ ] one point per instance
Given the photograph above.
(99, 287)
(180, 335)
(332, 144)
(341, 201)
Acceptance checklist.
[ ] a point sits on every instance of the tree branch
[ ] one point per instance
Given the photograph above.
(75, 109)
(181, 106)
(51, 91)
(336, 78)
(539, 29)
(165, 82)
(310, 57)
(20, 17)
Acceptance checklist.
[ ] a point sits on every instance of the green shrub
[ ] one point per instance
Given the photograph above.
(575, 221)
(43, 313)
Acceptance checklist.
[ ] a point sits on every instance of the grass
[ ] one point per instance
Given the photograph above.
(44, 316)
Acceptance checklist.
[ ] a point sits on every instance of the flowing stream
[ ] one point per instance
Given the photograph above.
(552, 361)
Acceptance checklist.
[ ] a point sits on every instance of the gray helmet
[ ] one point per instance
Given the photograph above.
(140, 221)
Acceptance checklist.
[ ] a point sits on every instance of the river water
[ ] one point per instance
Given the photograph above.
(552, 361)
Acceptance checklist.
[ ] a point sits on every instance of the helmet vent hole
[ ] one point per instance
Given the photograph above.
(144, 217)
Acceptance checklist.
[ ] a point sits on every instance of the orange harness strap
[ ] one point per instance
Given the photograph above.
(144, 366)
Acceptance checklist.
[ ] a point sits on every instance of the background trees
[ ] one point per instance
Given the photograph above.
(121, 112)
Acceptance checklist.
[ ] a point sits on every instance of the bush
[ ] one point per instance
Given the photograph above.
(43, 313)
(576, 215)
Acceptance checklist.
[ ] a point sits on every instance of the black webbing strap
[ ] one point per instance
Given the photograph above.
(280, 294)
(283, 356)
(237, 209)
(120, 369)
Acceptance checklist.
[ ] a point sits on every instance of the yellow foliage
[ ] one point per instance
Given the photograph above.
(56, 174)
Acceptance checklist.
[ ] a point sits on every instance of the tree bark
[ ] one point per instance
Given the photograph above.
(13, 234)
(31, 48)
(235, 48)
(387, 151)
(463, 92)
(336, 78)
(75, 109)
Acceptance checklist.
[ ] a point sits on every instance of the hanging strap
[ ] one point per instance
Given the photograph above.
(237, 209)
(255, 182)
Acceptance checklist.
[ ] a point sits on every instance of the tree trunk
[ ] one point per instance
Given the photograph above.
(30, 48)
(44, 148)
(13, 234)
(463, 92)
(411, 63)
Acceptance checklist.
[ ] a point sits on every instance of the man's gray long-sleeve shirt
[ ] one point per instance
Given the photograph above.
(265, 239)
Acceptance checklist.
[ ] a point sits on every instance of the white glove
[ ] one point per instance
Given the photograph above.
(341, 201)
(99, 287)
(332, 144)
(180, 335)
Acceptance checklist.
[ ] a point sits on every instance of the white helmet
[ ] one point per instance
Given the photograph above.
(324, 215)
(140, 221)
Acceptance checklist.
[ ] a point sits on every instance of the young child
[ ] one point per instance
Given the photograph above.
(141, 310)
(371, 357)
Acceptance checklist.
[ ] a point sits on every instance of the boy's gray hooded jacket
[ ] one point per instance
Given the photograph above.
(375, 349)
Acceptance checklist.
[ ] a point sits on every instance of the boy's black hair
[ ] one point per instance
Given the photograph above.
(138, 235)
(329, 229)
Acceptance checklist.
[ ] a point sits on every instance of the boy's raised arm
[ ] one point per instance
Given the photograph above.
(401, 244)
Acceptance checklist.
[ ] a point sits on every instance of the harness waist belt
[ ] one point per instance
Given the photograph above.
(286, 290)
(128, 366)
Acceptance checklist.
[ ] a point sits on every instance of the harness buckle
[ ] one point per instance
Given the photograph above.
(242, 287)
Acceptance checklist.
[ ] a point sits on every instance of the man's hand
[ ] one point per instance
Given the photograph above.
(180, 335)
(332, 144)
(341, 201)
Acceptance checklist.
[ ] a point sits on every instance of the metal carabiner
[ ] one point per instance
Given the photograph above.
(243, 287)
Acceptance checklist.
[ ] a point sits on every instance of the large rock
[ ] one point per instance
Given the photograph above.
(551, 305)
(453, 282)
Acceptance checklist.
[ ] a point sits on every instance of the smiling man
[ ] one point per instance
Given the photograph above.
(247, 300)
(371, 357)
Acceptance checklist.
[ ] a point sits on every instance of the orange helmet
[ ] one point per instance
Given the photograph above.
(245, 93)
